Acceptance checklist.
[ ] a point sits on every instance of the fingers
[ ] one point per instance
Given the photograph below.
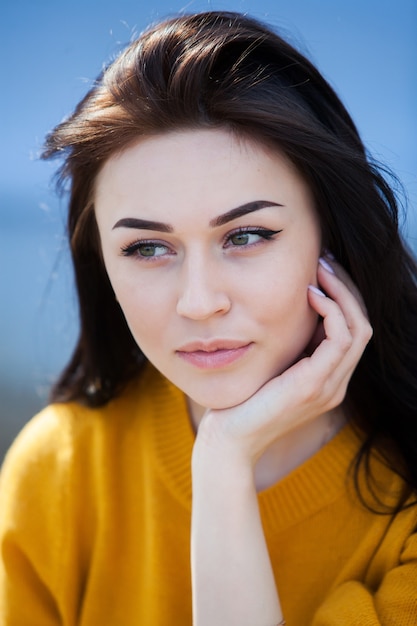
(318, 382)
(313, 384)
(335, 289)
(334, 359)
(346, 327)
(340, 288)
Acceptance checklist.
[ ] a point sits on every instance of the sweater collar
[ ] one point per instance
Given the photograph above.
(307, 489)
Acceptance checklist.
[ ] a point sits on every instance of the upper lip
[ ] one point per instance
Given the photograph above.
(212, 345)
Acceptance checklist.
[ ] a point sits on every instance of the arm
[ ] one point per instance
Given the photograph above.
(233, 581)
(31, 505)
(232, 576)
(393, 601)
(23, 589)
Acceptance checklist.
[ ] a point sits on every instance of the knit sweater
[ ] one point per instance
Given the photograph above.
(95, 511)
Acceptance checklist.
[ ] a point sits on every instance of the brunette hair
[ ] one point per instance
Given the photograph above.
(225, 70)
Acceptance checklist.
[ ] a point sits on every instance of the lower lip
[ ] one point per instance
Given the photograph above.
(215, 359)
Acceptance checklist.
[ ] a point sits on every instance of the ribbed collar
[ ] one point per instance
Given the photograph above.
(306, 490)
(313, 485)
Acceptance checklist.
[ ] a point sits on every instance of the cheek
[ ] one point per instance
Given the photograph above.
(285, 286)
(284, 309)
(143, 315)
(288, 308)
(148, 313)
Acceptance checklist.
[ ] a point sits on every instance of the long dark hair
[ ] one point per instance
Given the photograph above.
(224, 70)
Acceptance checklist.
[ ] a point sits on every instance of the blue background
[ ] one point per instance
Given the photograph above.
(51, 52)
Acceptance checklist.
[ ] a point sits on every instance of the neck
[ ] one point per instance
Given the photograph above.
(292, 450)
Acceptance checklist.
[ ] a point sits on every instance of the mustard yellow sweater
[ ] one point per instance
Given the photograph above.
(95, 524)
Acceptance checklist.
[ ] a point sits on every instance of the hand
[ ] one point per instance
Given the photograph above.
(312, 386)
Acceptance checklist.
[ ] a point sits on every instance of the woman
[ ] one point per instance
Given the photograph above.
(248, 331)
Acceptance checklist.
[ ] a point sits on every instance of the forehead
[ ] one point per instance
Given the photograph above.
(196, 169)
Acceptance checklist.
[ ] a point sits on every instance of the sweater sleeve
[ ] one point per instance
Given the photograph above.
(393, 603)
(31, 521)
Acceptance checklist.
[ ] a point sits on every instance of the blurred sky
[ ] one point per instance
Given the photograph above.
(53, 49)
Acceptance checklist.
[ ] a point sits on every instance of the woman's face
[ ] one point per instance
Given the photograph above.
(210, 243)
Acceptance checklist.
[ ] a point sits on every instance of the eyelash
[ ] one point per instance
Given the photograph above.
(264, 233)
(133, 248)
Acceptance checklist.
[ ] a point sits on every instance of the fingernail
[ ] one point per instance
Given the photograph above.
(326, 265)
(330, 255)
(317, 290)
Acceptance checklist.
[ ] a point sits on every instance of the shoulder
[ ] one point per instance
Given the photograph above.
(36, 444)
(51, 438)
(69, 434)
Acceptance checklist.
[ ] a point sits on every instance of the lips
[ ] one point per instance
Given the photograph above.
(213, 354)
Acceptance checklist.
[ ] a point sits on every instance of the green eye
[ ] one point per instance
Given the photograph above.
(240, 239)
(147, 249)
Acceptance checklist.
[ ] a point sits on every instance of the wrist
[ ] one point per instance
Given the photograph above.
(214, 443)
(220, 465)
(216, 437)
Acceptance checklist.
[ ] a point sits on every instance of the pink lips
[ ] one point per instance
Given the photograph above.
(213, 354)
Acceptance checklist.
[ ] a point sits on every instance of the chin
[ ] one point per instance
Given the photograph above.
(224, 390)
(221, 398)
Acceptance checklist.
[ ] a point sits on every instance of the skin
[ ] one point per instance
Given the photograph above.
(203, 283)
(227, 316)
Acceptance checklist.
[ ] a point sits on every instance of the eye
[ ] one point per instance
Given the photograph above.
(242, 239)
(145, 249)
(247, 237)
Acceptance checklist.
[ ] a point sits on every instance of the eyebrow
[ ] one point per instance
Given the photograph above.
(244, 209)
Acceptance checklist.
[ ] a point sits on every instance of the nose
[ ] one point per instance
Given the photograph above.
(203, 292)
